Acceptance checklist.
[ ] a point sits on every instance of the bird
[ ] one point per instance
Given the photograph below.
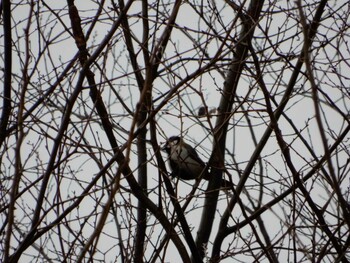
(185, 162)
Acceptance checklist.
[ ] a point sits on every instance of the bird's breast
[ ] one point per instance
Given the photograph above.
(182, 157)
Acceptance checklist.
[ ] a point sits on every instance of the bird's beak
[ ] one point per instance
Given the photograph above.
(164, 147)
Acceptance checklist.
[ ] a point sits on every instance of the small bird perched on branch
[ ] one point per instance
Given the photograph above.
(185, 162)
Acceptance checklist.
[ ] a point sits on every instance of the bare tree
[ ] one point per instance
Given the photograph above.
(92, 90)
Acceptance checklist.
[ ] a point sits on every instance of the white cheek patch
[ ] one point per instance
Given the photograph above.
(173, 143)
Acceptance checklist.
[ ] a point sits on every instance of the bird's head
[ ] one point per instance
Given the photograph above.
(171, 142)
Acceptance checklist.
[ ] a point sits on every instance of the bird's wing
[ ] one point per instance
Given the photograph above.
(194, 155)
